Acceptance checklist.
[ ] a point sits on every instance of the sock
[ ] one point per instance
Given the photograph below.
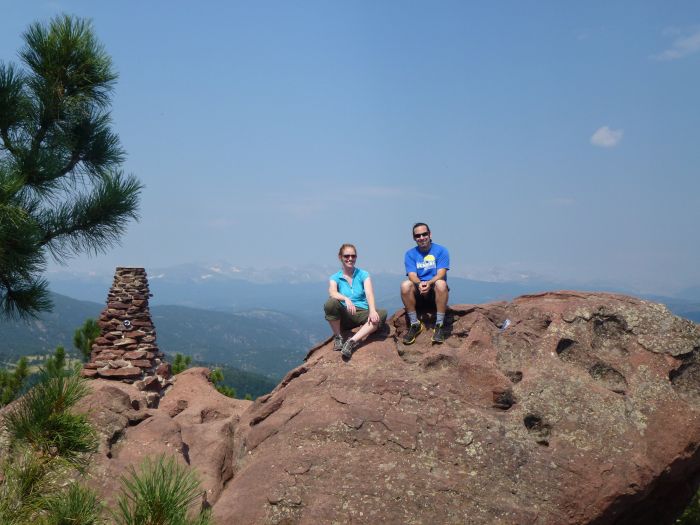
(440, 318)
(413, 317)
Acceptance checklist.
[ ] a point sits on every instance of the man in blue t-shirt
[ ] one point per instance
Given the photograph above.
(426, 268)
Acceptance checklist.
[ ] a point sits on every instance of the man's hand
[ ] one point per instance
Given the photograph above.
(373, 317)
(424, 287)
(351, 307)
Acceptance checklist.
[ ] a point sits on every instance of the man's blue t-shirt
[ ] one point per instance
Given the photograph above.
(426, 264)
(356, 292)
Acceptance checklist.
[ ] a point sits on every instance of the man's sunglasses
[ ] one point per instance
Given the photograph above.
(349, 256)
(419, 235)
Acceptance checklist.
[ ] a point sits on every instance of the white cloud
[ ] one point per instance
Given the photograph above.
(681, 46)
(605, 137)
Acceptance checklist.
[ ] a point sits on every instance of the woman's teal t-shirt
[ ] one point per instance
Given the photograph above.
(356, 292)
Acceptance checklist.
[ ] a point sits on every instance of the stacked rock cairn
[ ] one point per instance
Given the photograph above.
(126, 349)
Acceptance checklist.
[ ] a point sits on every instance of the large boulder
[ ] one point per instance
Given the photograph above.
(556, 408)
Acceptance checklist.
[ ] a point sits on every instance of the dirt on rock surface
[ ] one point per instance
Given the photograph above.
(558, 408)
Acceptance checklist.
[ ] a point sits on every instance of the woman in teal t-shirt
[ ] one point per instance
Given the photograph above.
(351, 303)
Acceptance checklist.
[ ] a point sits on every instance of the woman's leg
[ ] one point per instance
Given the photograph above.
(369, 327)
(365, 330)
(335, 326)
(333, 310)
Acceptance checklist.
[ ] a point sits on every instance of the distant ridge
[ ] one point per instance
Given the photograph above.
(262, 341)
(301, 293)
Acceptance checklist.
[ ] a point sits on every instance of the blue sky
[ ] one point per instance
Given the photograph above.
(557, 139)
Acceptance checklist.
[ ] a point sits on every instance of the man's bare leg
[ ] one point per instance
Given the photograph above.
(441, 296)
(408, 295)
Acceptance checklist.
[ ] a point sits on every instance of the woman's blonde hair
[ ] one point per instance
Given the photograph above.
(346, 245)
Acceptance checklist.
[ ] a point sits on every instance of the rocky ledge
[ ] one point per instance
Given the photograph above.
(583, 408)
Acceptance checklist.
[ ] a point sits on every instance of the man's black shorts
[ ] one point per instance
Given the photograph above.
(426, 301)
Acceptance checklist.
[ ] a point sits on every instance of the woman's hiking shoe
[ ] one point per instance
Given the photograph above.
(338, 343)
(439, 334)
(413, 331)
(348, 348)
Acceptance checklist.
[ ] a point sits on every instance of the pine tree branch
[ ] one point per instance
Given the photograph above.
(72, 163)
(24, 301)
(92, 222)
(7, 143)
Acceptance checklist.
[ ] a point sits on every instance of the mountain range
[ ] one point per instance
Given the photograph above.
(301, 291)
(261, 341)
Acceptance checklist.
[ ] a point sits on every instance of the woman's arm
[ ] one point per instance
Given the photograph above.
(335, 294)
(369, 293)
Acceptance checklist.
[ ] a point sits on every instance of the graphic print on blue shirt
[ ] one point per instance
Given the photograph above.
(426, 265)
(356, 292)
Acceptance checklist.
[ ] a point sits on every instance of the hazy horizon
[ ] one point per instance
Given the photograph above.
(201, 272)
(552, 140)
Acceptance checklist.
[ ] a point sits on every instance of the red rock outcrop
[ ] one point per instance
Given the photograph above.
(193, 423)
(584, 409)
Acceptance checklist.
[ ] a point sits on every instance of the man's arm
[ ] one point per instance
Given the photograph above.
(443, 261)
(425, 286)
(439, 276)
(410, 265)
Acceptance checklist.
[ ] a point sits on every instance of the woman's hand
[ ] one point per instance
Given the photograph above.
(350, 307)
(373, 317)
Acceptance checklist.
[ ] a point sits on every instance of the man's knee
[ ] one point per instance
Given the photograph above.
(407, 287)
(332, 309)
(441, 287)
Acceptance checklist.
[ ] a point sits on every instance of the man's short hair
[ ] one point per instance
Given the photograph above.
(419, 224)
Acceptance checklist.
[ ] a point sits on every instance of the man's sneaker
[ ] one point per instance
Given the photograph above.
(338, 343)
(413, 331)
(439, 334)
(348, 348)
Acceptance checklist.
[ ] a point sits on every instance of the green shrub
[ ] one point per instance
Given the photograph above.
(78, 506)
(47, 442)
(85, 336)
(181, 363)
(160, 493)
(691, 516)
(26, 478)
(11, 383)
(217, 379)
(42, 420)
(55, 365)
